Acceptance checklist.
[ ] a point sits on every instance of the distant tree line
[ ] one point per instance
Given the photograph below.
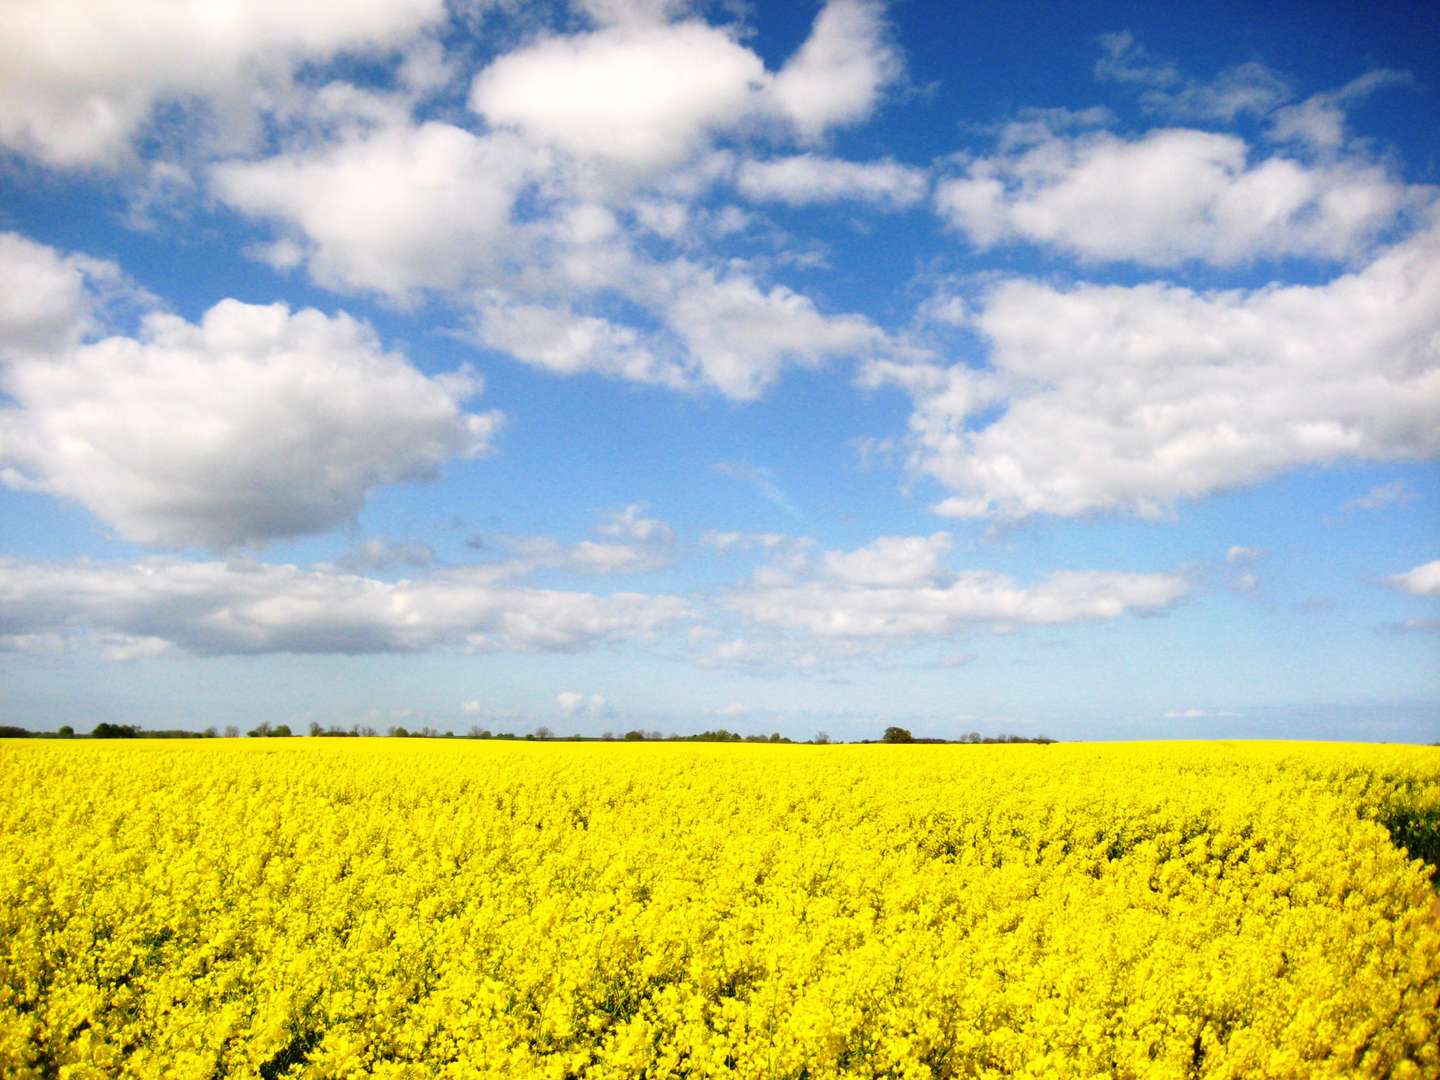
(106, 730)
(901, 735)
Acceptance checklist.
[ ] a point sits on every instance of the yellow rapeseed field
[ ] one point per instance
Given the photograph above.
(409, 908)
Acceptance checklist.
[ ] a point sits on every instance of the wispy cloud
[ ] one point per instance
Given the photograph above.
(1381, 497)
(762, 480)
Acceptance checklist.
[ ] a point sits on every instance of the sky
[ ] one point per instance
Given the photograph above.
(1011, 368)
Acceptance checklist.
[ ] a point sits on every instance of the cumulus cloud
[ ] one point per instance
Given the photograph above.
(640, 96)
(740, 334)
(396, 210)
(254, 424)
(79, 79)
(392, 209)
(50, 301)
(838, 74)
(891, 562)
(1422, 581)
(810, 178)
(566, 342)
(541, 227)
(217, 608)
(1169, 197)
(1128, 398)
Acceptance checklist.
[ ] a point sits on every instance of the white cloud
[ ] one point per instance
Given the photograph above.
(215, 608)
(50, 301)
(565, 342)
(831, 609)
(1240, 563)
(1130, 398)
(837, 75)
(809, 178)
(1246, 88)
(254, 424)
(79, 78)
(891, 562)
(643, 545)
(760, 657)
(764, 481)
(1381, 497)
(1422, 581)
(740, 334)
(1318, 122)
(743, 542)
(379, 553)
(631, 12)
(393, 209)
(632, 524)
(639, 96)
(44, 302)
(1168, 197)
(571, 702)
(587, 557)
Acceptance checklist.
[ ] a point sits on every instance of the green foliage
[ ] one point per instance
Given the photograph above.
(105, 730)
(1418, 832)
(897, 735)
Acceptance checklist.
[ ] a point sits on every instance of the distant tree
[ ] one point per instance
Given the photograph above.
(259, 731)
(822, 738)
(399, 733)
(115, 731)
(9, 732)
(634, 736)
(897, 735)
(775, 736)
(66, 731)
(479, 733)
(209, 732)
(281, 731)
(316, 730)
(231, 731)
(543, 732)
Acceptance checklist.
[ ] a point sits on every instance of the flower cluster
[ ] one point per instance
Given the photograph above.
(443, 908)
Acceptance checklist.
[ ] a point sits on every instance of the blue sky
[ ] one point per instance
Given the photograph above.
(798, 367)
